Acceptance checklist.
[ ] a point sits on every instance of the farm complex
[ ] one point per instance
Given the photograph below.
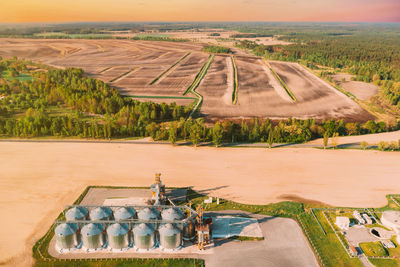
(235, 86)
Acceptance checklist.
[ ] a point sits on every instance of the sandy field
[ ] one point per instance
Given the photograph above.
(371, 139)
(38, 178)
(361, 90)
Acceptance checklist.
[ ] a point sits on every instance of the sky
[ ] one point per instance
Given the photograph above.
(199, 10)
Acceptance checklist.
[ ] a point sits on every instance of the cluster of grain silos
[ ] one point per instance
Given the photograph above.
(120, 228)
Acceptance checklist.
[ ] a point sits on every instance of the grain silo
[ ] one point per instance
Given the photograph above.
(124, 213)
(172, 214)
(189, 231)
(118, 235)
(144, 236)
(66, 235)
(77, 213)
(101, 214)
(170, 236)
(92, 236)
(148, 214)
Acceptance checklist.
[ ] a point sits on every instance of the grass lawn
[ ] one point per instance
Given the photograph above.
(374, 249)
(21, 76)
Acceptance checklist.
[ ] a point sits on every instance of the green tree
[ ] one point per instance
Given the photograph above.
(364, 145)
(152, 129)
(270, 138)
(218, 132)
(325, 139)
(195, 134)
(172, 133)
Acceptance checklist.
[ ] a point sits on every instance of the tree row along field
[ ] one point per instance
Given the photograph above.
(132, 66)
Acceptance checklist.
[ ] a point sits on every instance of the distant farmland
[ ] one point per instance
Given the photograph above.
(164, 71)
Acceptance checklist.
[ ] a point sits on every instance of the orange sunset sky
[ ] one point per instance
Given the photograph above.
(199, 10)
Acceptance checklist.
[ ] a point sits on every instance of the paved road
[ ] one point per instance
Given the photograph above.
(284, 244)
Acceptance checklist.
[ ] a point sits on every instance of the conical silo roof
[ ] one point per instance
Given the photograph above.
(168, 230)
(148, 214)
(124, 213)
(66, 229)
(118, 229)
(100, 213)
(92, 229)
(172, 214)
(143, 229)
(76, 213)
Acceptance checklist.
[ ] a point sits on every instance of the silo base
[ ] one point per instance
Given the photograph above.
(66, 250)
(169, 249)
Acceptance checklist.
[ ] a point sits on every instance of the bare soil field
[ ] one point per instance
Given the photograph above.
(361, 90)
(132, 66)
(34, 189)
(316, 98)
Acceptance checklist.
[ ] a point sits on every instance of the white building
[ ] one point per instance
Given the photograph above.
(358, 217)
(343, 223)
(367, 218)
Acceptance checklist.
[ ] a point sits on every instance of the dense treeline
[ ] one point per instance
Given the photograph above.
(217, 49)
(284, 131)
(91, 108)
(372, 58)
(250, 35)
(67, 103)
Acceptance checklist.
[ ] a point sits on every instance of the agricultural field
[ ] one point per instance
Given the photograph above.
(165, 72)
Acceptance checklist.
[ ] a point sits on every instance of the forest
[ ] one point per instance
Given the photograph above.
(66, 103)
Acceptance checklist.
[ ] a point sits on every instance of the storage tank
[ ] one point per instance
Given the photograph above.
(66, 235)
(170, 236)
(189, 231)
(149, 214)
(76, 213)
(144, 236)
(92, 236)
(101, 214)
(172, 214)
(124, 213)
(118, 235)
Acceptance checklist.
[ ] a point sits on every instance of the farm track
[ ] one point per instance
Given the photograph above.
(116, 79)
(159, 77)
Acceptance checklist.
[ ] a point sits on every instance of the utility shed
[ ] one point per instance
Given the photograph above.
(342, 222)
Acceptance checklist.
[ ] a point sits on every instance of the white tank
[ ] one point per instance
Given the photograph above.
(101, 214)
(118, 235)
(124, 213)
(170, 236)
(66, 235)
(144, 236)
(92, 236)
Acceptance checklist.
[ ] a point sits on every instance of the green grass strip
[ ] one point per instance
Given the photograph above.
(235, 82)
(195, 84)
(161, 97)
(199, 76)
(284, 85)
(122, 75)
(176, 63)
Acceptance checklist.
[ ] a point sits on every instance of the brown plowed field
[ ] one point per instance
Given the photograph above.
(316, 98)
(130, 66)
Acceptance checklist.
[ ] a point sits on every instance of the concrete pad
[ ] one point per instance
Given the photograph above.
(228, 226)
(129, 201)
